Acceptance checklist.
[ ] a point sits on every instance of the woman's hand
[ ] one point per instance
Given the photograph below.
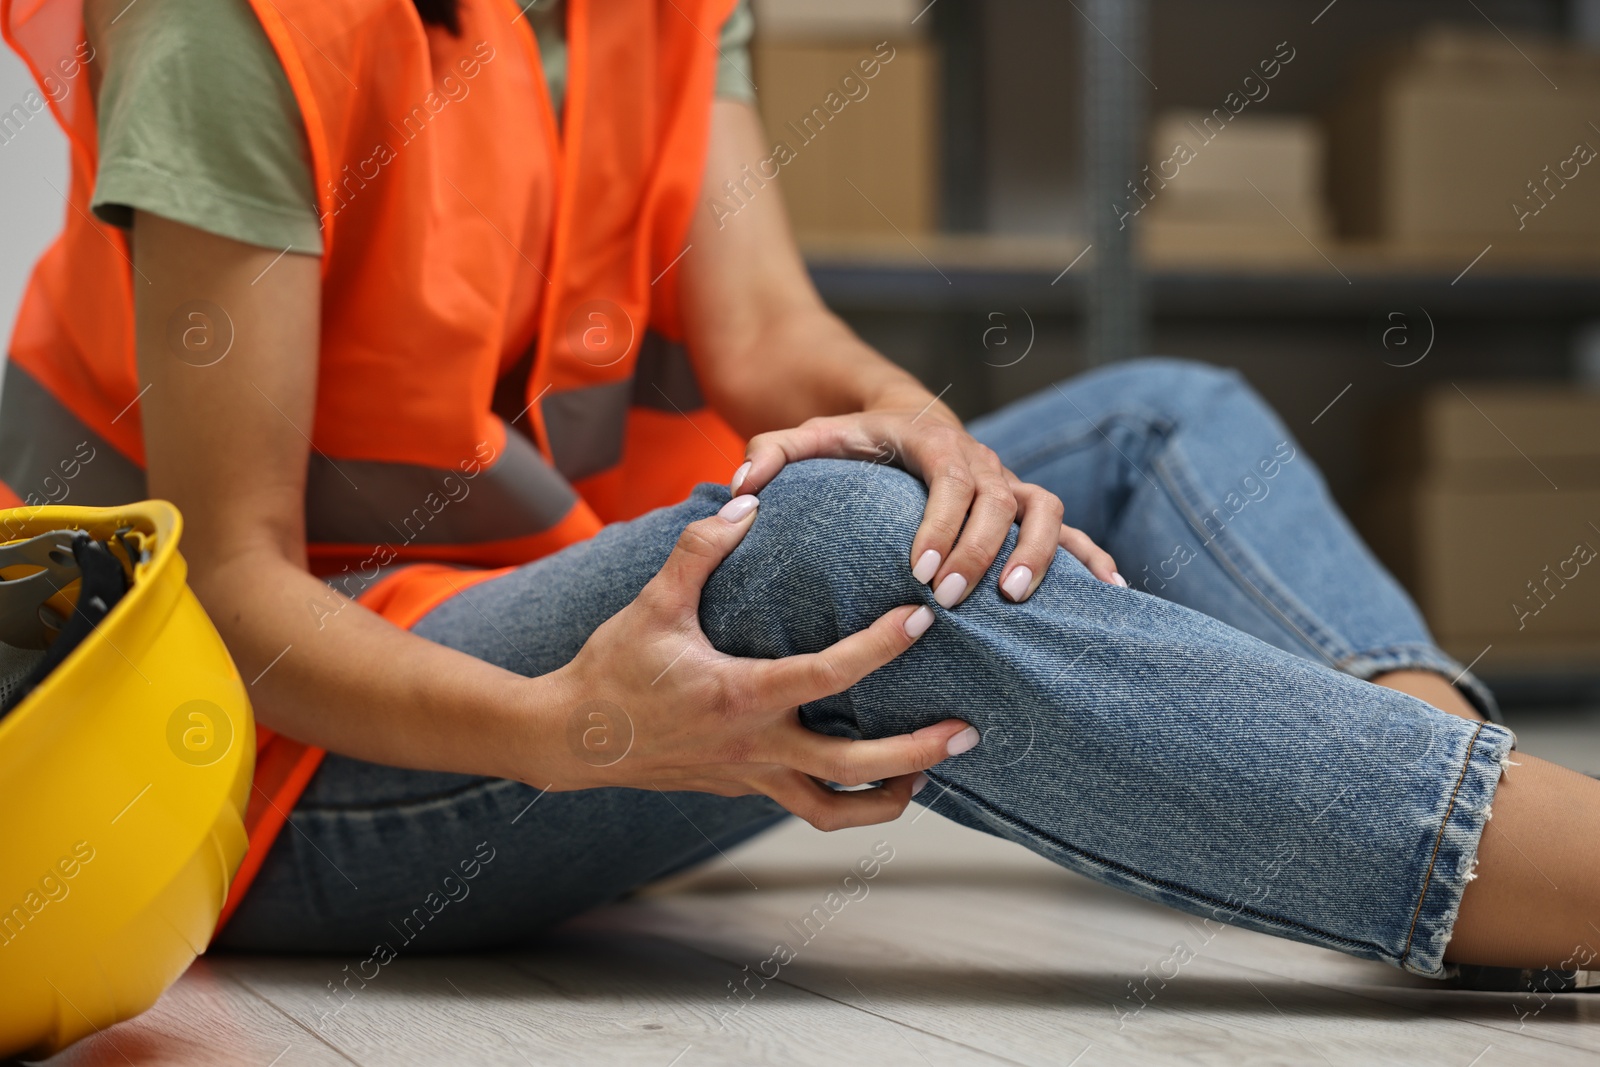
(687, 717)
(972, 498)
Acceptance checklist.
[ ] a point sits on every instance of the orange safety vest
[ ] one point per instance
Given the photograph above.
(499, 372)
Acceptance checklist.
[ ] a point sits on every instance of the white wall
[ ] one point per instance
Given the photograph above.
(30, 212)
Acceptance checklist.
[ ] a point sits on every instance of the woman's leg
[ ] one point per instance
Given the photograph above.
(1151, 747)
(1195, 486)
(1536, 900)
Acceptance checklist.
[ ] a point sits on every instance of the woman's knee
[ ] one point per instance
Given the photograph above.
(843, 520)
(829, 551)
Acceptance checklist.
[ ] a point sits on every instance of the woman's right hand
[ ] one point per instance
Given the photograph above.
(649, 703)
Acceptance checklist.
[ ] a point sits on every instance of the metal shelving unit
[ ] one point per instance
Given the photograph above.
(1116, 297)
(852, 285)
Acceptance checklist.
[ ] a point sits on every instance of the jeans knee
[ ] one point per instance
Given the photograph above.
(829, 552)
(846, 517)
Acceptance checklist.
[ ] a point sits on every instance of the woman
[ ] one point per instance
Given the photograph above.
(401, 313)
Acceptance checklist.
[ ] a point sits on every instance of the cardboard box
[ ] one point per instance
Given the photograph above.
(825, 20)
(853, 134)
(1223, 188)
(1516, 570)
(1488, 510)
(1228, 172)
(1462, 139)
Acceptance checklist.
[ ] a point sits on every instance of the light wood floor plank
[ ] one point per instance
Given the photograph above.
(589, 998)
(1572, 1020)
(1019, 987)
(206, 1018)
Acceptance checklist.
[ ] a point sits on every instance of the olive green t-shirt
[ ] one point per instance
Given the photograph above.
(197, 122)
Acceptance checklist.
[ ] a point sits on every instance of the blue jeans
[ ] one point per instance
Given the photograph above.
(1205, 739)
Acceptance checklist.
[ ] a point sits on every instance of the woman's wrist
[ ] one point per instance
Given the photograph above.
(902, 392)
(823, 367)
(529, 742)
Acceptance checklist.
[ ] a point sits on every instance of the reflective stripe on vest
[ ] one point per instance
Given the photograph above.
(586, 425)
(48, 455)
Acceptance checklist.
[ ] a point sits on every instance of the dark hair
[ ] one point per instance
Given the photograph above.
(445, 14)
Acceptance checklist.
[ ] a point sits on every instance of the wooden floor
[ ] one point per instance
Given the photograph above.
(963, 950)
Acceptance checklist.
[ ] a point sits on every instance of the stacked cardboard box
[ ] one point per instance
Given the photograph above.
(1459, 139)
(1488, 509)
(848, 93)
(1232, 186)
(839, 19)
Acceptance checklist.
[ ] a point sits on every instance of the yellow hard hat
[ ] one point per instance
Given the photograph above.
(126, 754)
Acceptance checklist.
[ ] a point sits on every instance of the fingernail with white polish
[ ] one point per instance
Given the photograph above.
(927, 565)
(737, 508)
(1016, 586)
(919, 783)
(965, 741)
(738, 477)
(950, 590)
(918, 621)
(1119, 579)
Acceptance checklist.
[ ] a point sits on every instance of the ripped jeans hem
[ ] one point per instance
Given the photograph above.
(1455, 852)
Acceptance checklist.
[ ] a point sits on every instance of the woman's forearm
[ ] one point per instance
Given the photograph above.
(803, 364)
(325, 670)
(223, 441)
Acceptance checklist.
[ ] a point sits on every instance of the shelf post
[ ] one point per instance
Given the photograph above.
(958, 26)
(1115, 320)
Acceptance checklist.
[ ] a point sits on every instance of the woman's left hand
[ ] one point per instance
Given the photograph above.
(972, 498)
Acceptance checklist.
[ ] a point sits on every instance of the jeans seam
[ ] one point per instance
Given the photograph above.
(431, 801)
(1404, 654)
(1053, 449)
(1438, 842)
(1153, 423)
(1321, 640)
(1158, 883)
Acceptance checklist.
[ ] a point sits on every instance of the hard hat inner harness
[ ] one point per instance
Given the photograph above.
(36, 634)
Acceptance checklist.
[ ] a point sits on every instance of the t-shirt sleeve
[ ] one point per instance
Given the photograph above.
(733, 63)
(197, 123)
